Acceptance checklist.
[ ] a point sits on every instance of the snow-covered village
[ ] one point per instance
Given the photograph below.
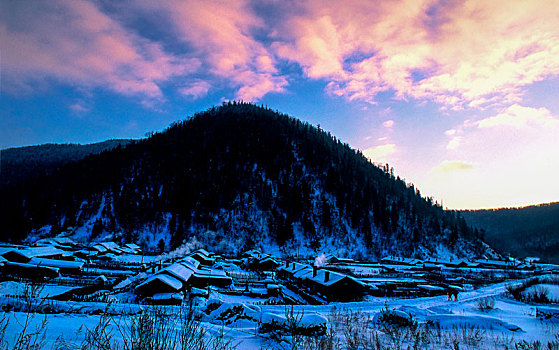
(60, 294)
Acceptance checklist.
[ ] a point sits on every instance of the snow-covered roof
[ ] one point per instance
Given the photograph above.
(203, 252)
(253, 253)
(86, 253)
(45, 242)
(110, 245)
(127, 250)
(178, 271)
(497, 263)
(202, 258)
(61, 264)
(268, 258)
(132, 246)
(211, 273)
(430, 287)
(303, 272)
(4, 250)
(100, 248)
(326, 277)
(293, 267)
(32, 252)
(401, 260)
(64, 241)
(431, 264)
(190, 262)
(31, 266)
(163, 278)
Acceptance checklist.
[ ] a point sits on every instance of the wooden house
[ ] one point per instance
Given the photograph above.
(210, 277)
(26, 254)
(289, 269)
(30, 271)
(178, 271)
(333, 286)
(267, 264)
(64, 266)
(160, 283)
(190, 263)
(203, 257)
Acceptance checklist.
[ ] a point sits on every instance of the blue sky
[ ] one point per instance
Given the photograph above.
(459, 97)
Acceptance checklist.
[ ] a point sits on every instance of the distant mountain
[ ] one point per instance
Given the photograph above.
(529, 231)
(236, 177)
(22, 163)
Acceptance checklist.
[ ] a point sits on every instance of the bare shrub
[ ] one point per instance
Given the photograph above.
(99, 337)
(550, 279)
(4, 322)
(391, 318)
(29, 339)
(534, 345)
(486, 304)
(515, 290)
(32, 339)
(157, 328)
(539, 294)
(355, 328)
(470, 335)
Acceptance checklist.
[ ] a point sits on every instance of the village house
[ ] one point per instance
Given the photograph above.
(333, 286)
(25, 255)
(179, 272)
(64, 266)
(210, 277)
(203, 256)
(160, 283)
(287, 272)
(25, 270)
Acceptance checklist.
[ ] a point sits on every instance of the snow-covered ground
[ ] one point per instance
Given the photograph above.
(508, 322)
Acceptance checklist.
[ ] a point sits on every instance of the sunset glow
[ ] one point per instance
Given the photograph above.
(459, 97)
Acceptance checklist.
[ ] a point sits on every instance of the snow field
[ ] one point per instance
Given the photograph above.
(507, 322)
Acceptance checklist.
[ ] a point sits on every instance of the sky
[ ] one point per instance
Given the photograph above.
(459, 97)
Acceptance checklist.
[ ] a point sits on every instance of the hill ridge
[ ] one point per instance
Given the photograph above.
(237, 176)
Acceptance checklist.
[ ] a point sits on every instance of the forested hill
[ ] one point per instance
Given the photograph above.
(529, 231)
(22, 163)
(235, 177)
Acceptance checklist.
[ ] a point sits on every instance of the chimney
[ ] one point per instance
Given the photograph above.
(293, 266)
(326, 276)
(286, 264)
(314, 269)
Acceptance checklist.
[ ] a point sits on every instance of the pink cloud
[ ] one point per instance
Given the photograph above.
(74, 42)
(79, 108)
(221, 34)
(463, 54)
(388, 123)
(448, 166)
(196, 89)
(470, 53)
(521, 117)
(381, 153)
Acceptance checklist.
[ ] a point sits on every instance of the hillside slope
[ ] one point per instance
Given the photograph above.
(22, 163)
(235, 177)
(528, 231)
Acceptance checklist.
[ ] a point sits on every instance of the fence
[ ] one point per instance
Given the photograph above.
(243, 277)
